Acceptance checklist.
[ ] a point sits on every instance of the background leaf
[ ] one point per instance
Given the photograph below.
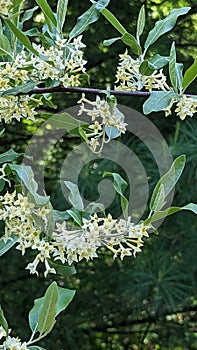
(3, 321)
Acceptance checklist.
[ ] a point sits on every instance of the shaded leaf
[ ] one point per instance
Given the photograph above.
(20, 36)
(9, 156)
(130, 41)
(146, 68)
(25, 88)
(65, 296)
(47, 12)
(75, 215)
(113, 20)
(190, 74)
(3, 321)
(62, 269)
(28, 14)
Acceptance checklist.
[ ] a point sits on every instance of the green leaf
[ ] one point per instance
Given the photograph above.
(112, 132)
(113, 20)
(48, 13)
(109, 42)
(172, 67)
(25, 88)
(74, 196)
(168, 180)
(146, 68)
(65, 296)
(165, 25)
(62, 269)
(5, 246)
(3, 321)
(159, 61)
(61, 14)
(64, 121)
(158, 215)
(130, 41)
(4, 43)
(76, 215)
(120, 185)
(56, 298)
(140, 23)
(26, 175)
(60, 215)
(191, 206)
(48, 311)
(158, 101)
(35, 347)
(4, 52)
(158, 201)
(20, 36)
(90, 16)
(28, 14)
(190, 75)
(2, 184)
(9, 156)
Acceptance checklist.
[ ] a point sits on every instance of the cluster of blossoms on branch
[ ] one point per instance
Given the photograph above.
(5, 6)
(61, 64)
(129, 77)
(11, 343)
(185, 106)
(108, 121)
(29, 224)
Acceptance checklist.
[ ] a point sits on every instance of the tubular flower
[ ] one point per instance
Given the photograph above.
(62, 63)
(5, 6)
(14, 344)
(129, 77)
(108, 121)
(121, 237)
(185, 106)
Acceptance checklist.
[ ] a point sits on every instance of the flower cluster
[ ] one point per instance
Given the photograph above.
(61, 64)
(129, 77)
(185, 106)
(108, 121)
(5, 6)
(121, 237)
(21, 219)
(27, 224)
(14, 344)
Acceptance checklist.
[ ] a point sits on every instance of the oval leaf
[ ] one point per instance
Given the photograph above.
(146, 68)
(159, 61)
(158, 101)
(48, 311)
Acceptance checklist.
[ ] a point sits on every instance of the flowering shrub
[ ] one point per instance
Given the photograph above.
(29, 74)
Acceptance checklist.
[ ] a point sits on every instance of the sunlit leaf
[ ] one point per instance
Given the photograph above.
(109, 42)
(130, 41)
(158, 101)
(90, 16)
(113, 20)
(47, 12)
(140, 23)
(158, 201)
(5, 246)
(61, 14)
(159, 61)
(74, 195)
(165, 25)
